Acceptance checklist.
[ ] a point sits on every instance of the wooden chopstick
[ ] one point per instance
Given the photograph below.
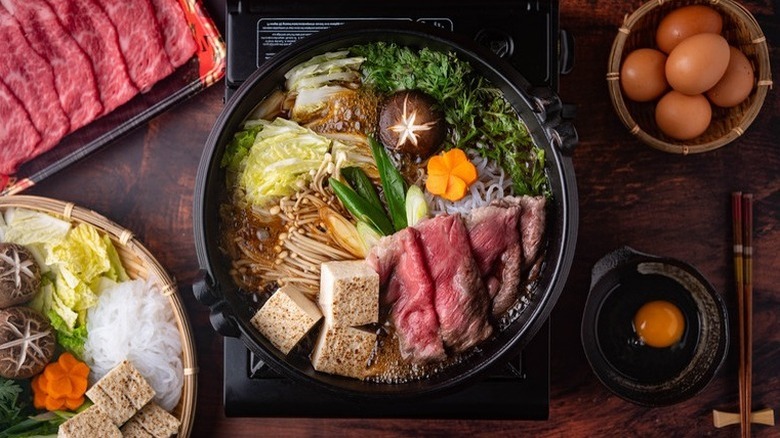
(742, 221)
(736, 222)
(747, 259)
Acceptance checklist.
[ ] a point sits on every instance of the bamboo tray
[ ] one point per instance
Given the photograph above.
(740, 29)
(139, 264)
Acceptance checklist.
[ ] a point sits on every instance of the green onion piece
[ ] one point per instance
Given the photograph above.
(392, 183)
(416, 207)
(360, 208)
(368, 235)
(361, 183)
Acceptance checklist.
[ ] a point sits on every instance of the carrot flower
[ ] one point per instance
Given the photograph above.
(450, 174)
(61, 385)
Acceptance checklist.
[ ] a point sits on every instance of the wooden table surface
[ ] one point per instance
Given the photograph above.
(630, 194)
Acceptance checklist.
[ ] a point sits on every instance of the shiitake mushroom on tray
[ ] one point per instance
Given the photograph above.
(27, 342)
(20, 275)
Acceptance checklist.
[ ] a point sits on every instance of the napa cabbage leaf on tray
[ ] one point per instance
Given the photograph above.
(73, 260)
(27, 227)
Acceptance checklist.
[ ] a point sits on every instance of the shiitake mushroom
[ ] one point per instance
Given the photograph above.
(20, 275)
(27, 342)
(410, 122)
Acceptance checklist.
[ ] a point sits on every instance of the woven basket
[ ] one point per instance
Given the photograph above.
(139, 264)
(741, 31)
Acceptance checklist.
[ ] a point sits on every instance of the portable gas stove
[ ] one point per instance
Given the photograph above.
(525, 33)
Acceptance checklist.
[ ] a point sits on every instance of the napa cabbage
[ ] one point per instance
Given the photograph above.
(74, 262)
(280, 160)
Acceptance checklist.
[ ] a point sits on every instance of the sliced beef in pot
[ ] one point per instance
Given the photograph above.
(495, 244)
(532, 223)
(462, 303)
(74, 78)
(491, 230)
(384, 257)
(510, 274)
(409, 291)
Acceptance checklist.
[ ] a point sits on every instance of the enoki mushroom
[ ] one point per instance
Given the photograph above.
(304, 243)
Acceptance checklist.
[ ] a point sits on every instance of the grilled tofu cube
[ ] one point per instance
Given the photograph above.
(349, 293)
(286, 318)
(151, 421)
(344, 351)
(121, 393)
(89, 423)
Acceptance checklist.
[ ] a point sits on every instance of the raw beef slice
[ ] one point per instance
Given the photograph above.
(73, 75)
(177, 37)
(532, 223)
(495, 244)
(462, 303)
(31, 80)
(408, 289)
(139, 40)
(18, 136)
(95, 34)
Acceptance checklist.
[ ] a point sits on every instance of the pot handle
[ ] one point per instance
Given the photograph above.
(556, 118)
(566, 52)
(613, 260)
(221, 317)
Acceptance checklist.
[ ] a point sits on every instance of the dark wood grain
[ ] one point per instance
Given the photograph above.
(629, 195)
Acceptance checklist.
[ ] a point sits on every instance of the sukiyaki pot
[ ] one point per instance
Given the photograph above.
(382, 211)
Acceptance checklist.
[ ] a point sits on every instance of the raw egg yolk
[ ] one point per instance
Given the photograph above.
(659, 324)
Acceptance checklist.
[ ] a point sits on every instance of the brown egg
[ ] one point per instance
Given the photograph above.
(681, 116)
(736, 84)
(642, 75)
(697, 63)
(685, 22)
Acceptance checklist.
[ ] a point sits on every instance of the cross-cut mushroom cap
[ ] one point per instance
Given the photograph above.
(26, 342)
(411, 123)
(20, 275)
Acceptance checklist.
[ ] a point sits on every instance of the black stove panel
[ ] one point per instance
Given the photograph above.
(518, 390)
(523, 32)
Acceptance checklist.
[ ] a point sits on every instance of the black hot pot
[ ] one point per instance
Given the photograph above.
(539, 108)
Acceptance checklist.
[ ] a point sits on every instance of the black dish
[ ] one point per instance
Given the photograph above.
(539, 108)
(621, 283)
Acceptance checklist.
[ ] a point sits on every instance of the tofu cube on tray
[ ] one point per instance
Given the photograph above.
(153, 421)
(122, 399)
(89, 423)
(286, 318)
(121, 393)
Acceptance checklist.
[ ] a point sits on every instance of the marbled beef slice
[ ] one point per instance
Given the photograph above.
(140, 40)
(74, 79)
(17, 133)
(177, 37)
(495, 244)
(31, 80)
(532, 223)
(408, 290)
(462, 303)
(90, 27)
